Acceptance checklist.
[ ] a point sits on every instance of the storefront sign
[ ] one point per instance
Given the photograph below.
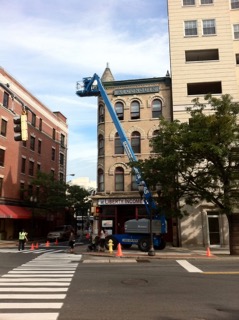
(112, 201)
(122, 92)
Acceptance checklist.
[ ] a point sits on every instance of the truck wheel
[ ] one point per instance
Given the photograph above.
(144, 244)
(162, 244)
(115, 242)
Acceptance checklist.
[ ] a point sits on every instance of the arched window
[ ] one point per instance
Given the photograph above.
(101, 147)
(101, 113)
(155, 133)
(101, 185)
(119, 109)
(135, 110)
(119, 149)
(135, 141)
(156, 108)
(119, 179)
(134, 184)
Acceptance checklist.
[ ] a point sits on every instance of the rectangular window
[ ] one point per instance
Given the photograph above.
(5, 99)
(31, 168)
(61, 159)
(62, 140)
(236, 31)
(39, 146)
(53, 154)
(1, 186)
(33, 119)
(38, 167)
(237, 58)
(22, 190)
(209, 27)
(201, 55)
(3, 127)
(204, 88)
(2, 157)
(190, 28)
(206, 1)
(40, 124)
(32, 143)
(23, 165)
(234, 4)
(54, 134)
(188, 2)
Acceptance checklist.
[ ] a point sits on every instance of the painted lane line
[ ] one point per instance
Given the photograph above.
(20, 289)
(21, 296)
(34, 284)
(221, 272)
(29, 316)
(31, 305)
(34, 275)
(188, 266)
(35, 280)
(40, 272)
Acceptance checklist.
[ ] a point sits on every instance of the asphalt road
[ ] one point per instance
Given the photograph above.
(105, 288)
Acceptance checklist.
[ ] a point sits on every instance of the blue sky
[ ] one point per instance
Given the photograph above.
(50, 45)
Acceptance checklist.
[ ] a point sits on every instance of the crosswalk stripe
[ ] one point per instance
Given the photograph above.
(57, 296)
(29, 316)
(188, 266)
(35, 280)
(29, 305)
(46, 279)
(19, 289)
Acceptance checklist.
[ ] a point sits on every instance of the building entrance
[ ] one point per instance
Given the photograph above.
(213, 230)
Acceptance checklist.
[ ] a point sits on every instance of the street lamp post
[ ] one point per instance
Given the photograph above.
(151, 251)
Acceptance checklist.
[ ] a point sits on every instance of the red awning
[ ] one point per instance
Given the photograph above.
(14, 212)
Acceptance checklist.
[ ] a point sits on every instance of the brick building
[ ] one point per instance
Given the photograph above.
(45, 150)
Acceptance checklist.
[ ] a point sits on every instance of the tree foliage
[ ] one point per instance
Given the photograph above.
(198, 160)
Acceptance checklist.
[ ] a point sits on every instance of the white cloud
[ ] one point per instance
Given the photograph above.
(49, 45)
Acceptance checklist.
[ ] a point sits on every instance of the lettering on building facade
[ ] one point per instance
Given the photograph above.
(120, 201)
(122, 92)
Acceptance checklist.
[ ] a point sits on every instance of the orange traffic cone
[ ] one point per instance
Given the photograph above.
(32, 246)
(119, 251)
(36, 246)
(56, 242)
(47, 244)
(208, 252)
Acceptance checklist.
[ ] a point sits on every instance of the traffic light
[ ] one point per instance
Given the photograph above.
(98, 210)
(20, 127)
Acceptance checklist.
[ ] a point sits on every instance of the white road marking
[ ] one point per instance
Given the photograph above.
(22, 296)
(29, 316)
(35, 280)
(40, 272)
(188, 266)
(29, 305)
(34, 284)
(19, 289)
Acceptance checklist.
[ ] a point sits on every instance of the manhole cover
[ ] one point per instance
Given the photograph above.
(134, 281)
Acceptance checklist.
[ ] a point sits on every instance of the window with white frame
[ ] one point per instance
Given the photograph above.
(206, 1)
(236, 31)
(209, 27)
(234, 4)
(190, 28)
(188, 2)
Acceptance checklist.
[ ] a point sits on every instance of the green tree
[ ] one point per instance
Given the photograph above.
(51, 193)
(198, 161)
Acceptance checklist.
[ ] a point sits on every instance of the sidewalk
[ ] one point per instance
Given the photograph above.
(168, 253)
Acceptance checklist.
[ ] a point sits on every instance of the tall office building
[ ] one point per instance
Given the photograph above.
(204, 55)
(204, 50)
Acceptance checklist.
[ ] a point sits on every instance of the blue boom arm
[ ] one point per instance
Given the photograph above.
(92, 86)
